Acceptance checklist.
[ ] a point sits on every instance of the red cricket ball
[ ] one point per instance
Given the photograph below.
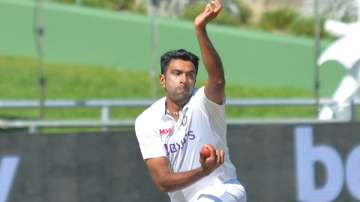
(205, 152)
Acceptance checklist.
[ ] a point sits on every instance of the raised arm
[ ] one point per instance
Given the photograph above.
(215, 85)
(167, 181)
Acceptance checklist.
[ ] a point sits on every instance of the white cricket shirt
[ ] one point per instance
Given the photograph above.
(200, 122)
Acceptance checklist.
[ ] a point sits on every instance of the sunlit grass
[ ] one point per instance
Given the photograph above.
(19, 81)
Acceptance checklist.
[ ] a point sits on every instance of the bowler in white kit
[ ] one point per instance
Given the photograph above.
(172, 132)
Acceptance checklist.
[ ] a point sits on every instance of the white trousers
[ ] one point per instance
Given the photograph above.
(229, 191)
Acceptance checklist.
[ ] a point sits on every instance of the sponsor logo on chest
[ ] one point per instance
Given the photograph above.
(166, 131)
(176, 146)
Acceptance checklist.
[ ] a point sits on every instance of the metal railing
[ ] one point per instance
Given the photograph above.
(105, 121)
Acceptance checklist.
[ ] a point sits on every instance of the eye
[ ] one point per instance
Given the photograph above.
(176, 72)
(191, 75)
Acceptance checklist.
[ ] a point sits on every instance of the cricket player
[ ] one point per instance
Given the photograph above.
(182, 136)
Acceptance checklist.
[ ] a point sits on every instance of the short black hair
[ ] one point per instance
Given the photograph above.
(178, 54)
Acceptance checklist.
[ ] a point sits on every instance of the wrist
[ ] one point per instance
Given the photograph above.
(200, 28)
(205, 171)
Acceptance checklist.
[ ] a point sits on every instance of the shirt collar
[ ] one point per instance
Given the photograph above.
(183, 110)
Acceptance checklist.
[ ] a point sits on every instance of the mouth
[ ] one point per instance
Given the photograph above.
(180, 94)
(182, 89)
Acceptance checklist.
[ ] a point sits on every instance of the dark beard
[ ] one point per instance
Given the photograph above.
(180, 99)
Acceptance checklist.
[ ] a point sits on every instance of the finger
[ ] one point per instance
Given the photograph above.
(222, 156)
(208, 8)
(202, 159)
(217, 5)
(217, 8)
(219, 2)
(218, 156)
(213, 3)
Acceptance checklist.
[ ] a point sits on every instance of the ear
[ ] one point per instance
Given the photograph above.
(162, 80)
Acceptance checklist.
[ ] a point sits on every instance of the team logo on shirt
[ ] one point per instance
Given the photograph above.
(166, 131)
(184, 121)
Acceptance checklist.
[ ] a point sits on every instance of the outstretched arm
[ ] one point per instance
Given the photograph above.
(215, 85)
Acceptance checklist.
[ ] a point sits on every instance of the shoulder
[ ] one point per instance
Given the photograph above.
(155, 111)
(198, 94)
(201, 102)
(199, 97)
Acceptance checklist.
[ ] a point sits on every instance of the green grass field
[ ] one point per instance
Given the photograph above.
(18, 81)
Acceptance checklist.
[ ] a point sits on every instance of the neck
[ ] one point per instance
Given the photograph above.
(173, 108)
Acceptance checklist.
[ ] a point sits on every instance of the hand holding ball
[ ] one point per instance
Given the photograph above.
(210, 158)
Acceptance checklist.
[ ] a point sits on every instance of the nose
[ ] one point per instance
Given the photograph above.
(182, 78)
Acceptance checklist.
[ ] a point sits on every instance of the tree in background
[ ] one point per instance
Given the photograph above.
(343, 10)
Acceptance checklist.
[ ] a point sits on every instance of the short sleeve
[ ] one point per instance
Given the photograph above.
(149, 140)
(214, 111)
(212, 108)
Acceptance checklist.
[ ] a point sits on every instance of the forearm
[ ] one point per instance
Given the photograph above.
(167, 181)
(215, 84)
(175, 181)
(210, 56)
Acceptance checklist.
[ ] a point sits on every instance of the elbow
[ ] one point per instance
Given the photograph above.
(166, 182)
(219, 83)
(163, 185)
(164, 188)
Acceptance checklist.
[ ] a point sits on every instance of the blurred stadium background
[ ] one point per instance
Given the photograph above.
(77, 73)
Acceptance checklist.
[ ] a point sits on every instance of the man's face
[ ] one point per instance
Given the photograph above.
(179, 80)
